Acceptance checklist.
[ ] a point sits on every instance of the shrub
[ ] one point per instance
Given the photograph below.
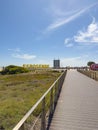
(12, 69)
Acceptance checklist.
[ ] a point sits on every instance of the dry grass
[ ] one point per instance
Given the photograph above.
(18, 93)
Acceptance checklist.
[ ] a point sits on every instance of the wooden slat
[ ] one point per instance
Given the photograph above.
(77, 107)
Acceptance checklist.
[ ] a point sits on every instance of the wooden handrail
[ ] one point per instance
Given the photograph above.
(91, 74)
(20, 125)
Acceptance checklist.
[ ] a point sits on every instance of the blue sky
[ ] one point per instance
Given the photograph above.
(36, 32)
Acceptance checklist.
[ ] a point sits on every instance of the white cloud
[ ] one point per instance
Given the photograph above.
(17, 53)
(67, 40)
(15, 50)
(90, 35)
(60, 21)
(24, 56)
(80, 60)
(72, 61)
(68, 43)
(75, 61)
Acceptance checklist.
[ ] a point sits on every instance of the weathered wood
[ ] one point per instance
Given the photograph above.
(51, 103)
(22, 127)
(77, 106)
(43, 121)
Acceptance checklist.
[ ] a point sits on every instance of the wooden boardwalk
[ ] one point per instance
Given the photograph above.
(77, 107)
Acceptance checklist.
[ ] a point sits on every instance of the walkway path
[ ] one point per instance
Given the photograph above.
(77, 107)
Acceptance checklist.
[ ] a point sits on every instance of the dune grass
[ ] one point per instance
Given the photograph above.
(18, 93)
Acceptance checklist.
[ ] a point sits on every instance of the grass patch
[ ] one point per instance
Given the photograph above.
(18, 93)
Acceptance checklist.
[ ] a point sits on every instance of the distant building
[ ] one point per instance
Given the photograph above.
(56, 64)
(36, 66)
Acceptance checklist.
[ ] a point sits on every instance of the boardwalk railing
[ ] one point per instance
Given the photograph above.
(89, 73)
(39, 116)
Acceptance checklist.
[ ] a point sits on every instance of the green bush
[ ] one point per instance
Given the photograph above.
(12, 69)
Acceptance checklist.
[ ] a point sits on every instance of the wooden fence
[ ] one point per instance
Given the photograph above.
(39, 116)
(89, 73)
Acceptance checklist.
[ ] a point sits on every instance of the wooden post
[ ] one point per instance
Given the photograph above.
(55, 96)
(51, 103)
(92, 75)
(2, 128)
(95, 76)
(56, 91)
(59, 85)
(22, 127)
(43, 120)
(58, 88)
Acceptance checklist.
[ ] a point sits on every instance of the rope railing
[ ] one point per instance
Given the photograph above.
(39, 116)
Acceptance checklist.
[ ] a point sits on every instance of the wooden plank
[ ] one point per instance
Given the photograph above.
(77, 107)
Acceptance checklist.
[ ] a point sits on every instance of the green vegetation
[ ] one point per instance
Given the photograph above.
(90, 63)
(19, 92)
(12, 69)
